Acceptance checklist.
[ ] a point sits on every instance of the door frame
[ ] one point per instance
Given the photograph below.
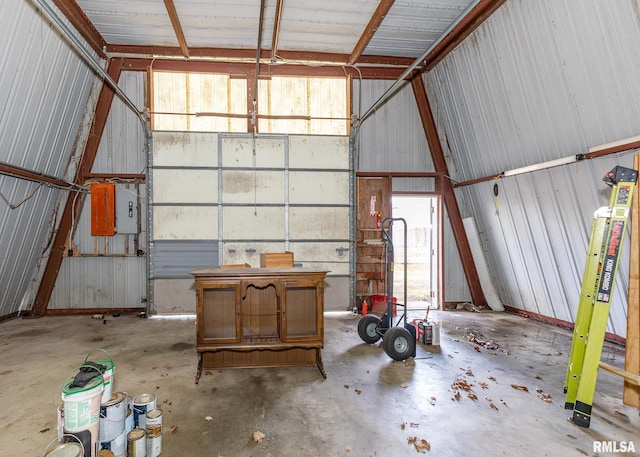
(436, 191)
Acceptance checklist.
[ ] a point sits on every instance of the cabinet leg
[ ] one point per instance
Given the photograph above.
(320, 364)
(199, 371)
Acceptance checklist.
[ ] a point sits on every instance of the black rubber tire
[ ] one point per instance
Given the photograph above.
(398, 343)
(367, 328)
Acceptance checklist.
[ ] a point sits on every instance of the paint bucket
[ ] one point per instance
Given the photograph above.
(118, 445)
(112, 416)
(60, 423)
(82, 411)
(154, 432)
(141, 405)
(108, 374)
(105, 453)
(128, 422)
(137, 443)
(65, 450)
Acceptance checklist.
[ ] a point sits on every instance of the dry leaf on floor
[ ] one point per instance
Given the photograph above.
(346, 386)
(432, 401)
(491, 378)
(484, 385)
(347, 448)
(493, 406)
(622, 416)
(519, 387)
(403, 426)
(420, 444)
(472, 396)
(543, 395)
(174, 428)
(403, 385)
(208, 418)
(538, 376)
(456, 396)
(413, 425)
(258, 436)
(358, 391)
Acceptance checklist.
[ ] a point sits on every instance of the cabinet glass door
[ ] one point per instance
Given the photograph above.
(219, 314)
(301, 314)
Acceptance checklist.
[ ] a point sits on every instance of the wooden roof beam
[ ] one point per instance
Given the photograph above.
(177, 27)
(376, 19)
(83, 25)
(276, 30)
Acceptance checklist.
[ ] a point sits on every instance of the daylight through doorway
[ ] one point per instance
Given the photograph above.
(419, 211)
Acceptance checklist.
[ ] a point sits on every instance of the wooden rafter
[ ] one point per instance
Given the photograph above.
(73, 204)
(177, 27)
(83, 25)
(276, 30)
(381, 11)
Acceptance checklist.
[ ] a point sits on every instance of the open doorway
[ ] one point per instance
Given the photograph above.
(420, 213)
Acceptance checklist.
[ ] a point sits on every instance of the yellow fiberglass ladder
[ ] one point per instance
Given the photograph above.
(607, 234)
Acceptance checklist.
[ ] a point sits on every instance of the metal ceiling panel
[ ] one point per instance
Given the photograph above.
(411, 27)
(132, 22)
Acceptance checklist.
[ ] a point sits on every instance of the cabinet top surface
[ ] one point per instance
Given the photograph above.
(255, 272)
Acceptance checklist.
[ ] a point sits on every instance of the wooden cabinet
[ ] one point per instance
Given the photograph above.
(259, 317)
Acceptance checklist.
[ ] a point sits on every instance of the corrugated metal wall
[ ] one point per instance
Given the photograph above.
(393, 140)
(118, 279)
(44, 88)
(540, 81)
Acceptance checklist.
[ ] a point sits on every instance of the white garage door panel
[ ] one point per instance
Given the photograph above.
(185, 149)
(249, 252)
(185, 186)
(329, 251)
(238, 152)
(239, 186)
(185, 223)
(253, 223)
(319, 152)
(316, 187)
(319, 223)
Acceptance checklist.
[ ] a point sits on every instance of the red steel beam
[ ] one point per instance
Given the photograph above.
(455, 217)
(177, 27)
(381, 11)
(83, 25)
(234, 54)
(73, 204)
(468, 24)
(241, 69)
(22, 173)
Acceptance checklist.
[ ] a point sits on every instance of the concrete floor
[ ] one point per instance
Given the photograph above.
(369, 405)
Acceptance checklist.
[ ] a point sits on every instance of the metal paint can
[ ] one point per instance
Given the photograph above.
(118, 445)
(154, 432)
(60, 426)
(137, 443)
(128, 422)
(112, 417)
(65, 450)
(141, 405)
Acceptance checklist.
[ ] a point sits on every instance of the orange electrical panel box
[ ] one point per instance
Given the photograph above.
(103, 209)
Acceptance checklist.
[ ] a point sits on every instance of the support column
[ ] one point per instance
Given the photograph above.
(437, 156)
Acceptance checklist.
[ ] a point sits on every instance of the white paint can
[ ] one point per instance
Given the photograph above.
(82, 413)
(107, 376)
(112, 417)
(137, 443)
(118, 445)
(154, 432)
(141, 405)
